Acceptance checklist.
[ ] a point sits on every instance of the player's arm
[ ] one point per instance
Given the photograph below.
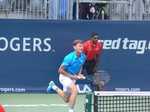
(80, 75)
(97, 61)
(80, 71)
(62, 71)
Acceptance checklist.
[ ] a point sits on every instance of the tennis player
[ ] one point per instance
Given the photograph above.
(92, 50)
(70, 71)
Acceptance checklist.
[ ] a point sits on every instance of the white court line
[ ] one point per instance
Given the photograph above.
(34, 105)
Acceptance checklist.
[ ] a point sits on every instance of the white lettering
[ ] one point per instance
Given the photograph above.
(141, 47)
(116, 44)
(85, 89)
(125, 41)
(133, 44)
(5, 90)
(17, 45)
(109, 44)
(127, 89)
(37, 43)
(148, 45)
(5, 44)
(25, 44)
(48, 45)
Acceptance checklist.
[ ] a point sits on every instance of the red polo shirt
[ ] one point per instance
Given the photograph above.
(91, 50)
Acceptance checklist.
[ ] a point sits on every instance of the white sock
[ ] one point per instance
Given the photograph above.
(54, 87)
(70, 109)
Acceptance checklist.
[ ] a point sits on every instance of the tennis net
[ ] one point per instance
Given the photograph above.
(121, 101)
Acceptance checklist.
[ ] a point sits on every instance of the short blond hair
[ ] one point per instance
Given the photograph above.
(77, 41)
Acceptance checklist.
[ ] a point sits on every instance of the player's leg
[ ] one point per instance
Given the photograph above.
(64, 95)
(74, 91)
(69, 94)
(70, 90)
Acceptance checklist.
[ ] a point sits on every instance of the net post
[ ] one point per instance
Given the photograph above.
(88, 102)
(95, 103)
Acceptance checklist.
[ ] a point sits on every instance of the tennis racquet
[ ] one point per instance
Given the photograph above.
(100, 78)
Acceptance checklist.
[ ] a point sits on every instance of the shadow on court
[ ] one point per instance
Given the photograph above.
(38, 103)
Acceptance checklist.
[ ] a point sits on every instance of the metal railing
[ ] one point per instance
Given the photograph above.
(63, 9)
(36, 9)
(124, 9)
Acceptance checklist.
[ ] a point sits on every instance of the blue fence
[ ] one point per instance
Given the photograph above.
(31, 52)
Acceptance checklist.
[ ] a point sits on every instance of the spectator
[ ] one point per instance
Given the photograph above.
(86, 10)
(62, 8)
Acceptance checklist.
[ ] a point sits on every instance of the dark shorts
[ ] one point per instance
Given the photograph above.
(89, 66)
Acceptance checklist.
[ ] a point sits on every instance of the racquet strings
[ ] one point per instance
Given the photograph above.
(101, 77)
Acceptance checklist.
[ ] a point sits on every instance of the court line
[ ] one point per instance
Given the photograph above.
(34, 105)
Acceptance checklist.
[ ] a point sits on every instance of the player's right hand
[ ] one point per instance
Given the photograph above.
(81, 77)
(76, 77)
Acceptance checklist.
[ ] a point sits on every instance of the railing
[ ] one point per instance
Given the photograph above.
(124, 9)
(63, 9)
(36, 9)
